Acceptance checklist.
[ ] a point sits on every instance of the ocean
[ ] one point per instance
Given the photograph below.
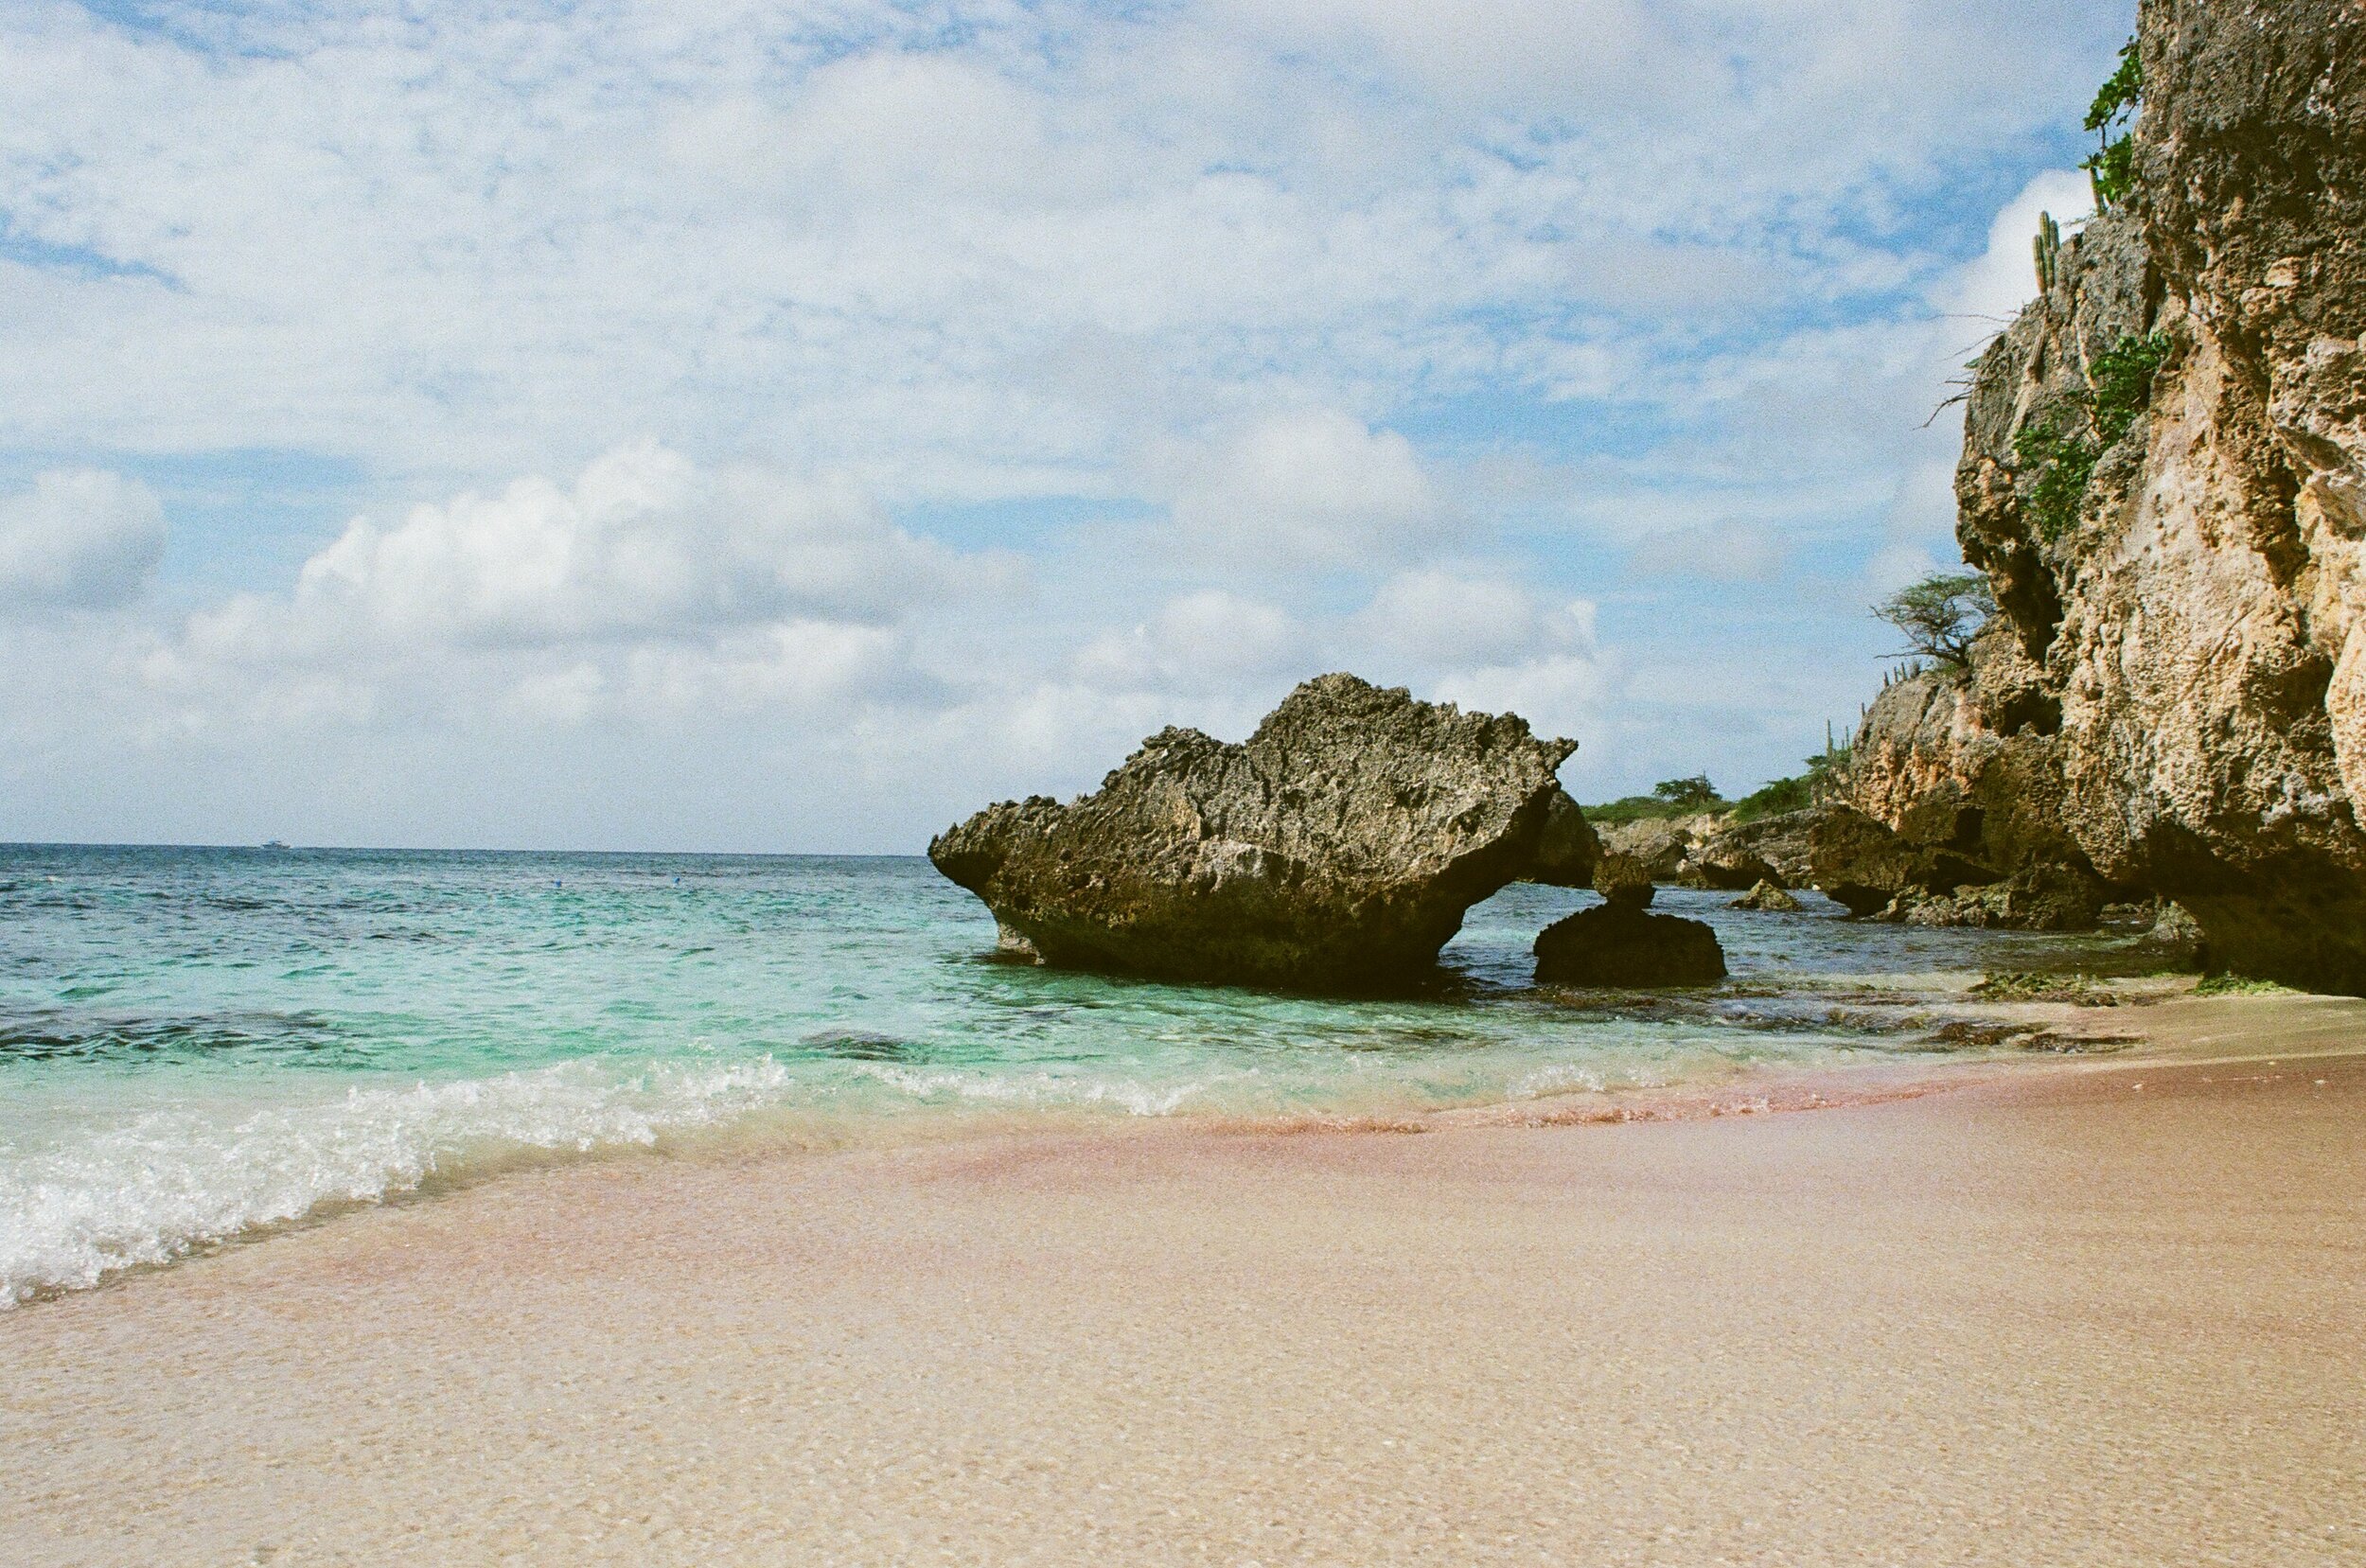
(200, 1045)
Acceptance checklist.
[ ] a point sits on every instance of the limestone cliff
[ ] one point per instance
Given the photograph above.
(2164, 478)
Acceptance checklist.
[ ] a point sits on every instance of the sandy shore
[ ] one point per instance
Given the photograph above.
(2114, 1313)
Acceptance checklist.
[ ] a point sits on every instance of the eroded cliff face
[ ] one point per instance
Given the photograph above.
(2175, 699)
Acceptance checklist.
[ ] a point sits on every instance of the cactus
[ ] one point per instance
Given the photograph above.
(2049, 252)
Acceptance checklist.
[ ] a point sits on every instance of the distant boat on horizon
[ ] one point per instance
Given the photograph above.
(275, 843)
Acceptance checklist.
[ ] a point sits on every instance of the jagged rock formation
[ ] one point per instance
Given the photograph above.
(1977, 832)
(1868, 866)
(1337, 848)
(1616, 944)
(1624, 882)
(2173, 699)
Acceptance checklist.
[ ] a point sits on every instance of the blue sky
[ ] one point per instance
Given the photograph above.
(788, 426)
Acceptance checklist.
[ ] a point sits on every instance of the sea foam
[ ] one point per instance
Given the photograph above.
(173, 1181)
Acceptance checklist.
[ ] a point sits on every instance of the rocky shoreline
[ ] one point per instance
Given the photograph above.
(2162, 726)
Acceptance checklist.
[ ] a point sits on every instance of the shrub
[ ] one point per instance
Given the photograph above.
(1774, 798)
(1644, 808)
(2238, 985)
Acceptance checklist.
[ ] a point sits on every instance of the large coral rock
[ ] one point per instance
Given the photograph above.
(1766, 898)
(1624, 881)
(1337, 848)
(1933, 763)
(1567, 851)
(2179, 681)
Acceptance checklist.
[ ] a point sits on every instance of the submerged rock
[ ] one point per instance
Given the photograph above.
(1769, 899)
(1337, 848)
(1621, 945)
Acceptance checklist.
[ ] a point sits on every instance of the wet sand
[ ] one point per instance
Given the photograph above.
(2109, 1313)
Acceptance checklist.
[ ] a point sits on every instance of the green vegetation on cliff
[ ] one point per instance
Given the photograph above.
(2060, 449)
(2111, 168)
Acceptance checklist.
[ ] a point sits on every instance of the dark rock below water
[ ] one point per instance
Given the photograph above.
(1618, 944)
(1337, 848)
(1769, 899)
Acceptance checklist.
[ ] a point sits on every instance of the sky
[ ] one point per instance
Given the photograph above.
(791, 425)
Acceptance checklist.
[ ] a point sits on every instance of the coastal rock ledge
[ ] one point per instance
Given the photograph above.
(1335, 849)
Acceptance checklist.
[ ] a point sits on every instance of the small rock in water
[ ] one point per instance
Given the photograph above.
(1624, 881)
(1769, 899)
(1620, 945)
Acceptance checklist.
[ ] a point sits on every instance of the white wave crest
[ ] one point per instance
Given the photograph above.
(172, 1181)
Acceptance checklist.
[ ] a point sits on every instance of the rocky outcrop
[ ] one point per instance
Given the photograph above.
(2165, 478)
(1616, 943)
(1742, 855)
(1337, 848)
(1868, 866)
(1662, 843)
(1624, 882)
(1567, 848)
(1973, 808)
(1766, 898)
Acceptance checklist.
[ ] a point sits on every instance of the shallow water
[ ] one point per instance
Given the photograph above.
(200, 1043)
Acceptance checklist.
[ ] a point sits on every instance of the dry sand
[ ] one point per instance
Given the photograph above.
(2107, 1313)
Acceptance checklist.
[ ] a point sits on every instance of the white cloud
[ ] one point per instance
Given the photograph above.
(1208, 639)
(648, 588)
(1441, 619)
(643, 543)
(1989, 291)
(1486, 643)
(1731, 553)
(1466, 306)
(1315, 487)
(78, 539)
(480, 239)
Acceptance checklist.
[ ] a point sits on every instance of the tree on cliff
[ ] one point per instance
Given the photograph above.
(1940, 615)
(1694, 793)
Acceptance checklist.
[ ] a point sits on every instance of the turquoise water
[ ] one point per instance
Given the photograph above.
(199, 1044)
